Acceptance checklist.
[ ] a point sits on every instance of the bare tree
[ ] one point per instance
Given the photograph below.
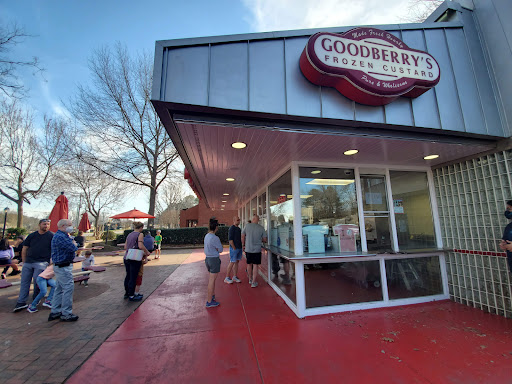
(98, 191)
(26, 157)
(419, 10)
(172, 200)
(10, 36)
(128, 143)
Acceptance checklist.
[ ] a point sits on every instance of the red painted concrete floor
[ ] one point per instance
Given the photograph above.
(252, 337)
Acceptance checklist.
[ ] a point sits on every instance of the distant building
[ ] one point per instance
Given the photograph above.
(199, 216)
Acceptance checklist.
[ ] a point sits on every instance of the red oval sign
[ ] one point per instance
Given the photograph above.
(368, 65)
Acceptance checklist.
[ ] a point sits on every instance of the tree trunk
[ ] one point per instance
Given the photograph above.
(152, 204)
(19, 223)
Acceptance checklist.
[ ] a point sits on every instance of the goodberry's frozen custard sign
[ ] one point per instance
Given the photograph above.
(368, 65)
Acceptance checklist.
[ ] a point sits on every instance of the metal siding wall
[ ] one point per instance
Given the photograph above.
(302, 97)
(399, 112)
(336, 106)
(424, 108)
(187, 75)
(446, 91)
(465, 79)
(229, 86)
(494, 21)
(491, 114)
(267, 76)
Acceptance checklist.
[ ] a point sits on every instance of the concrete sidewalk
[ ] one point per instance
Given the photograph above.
(253, 337)
(34, 350)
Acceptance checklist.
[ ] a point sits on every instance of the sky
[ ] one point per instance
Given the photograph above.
(64, 34)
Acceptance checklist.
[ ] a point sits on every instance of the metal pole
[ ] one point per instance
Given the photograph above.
(78, 212)
(106, 237)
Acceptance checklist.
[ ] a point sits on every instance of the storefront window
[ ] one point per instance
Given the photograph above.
(329, 210)
(281, 213)
(342, 283)
(413, 215)
(414, 277)
(254, 207)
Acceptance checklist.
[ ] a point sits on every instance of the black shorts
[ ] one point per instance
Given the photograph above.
(253, 258)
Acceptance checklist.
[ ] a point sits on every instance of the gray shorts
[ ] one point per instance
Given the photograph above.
(212, 264)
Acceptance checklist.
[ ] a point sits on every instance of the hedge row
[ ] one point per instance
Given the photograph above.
(179, 236)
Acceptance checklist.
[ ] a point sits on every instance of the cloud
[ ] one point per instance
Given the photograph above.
(275, 15)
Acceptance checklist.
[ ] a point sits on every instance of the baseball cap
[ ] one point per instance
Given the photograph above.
(44, 221)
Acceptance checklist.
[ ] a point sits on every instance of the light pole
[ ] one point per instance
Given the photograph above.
(6, 209)
(108, 227)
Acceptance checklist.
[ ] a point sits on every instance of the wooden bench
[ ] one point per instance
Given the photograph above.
(81, 279)
(77, 276)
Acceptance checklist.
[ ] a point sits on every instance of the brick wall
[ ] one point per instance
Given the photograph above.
(203, 214)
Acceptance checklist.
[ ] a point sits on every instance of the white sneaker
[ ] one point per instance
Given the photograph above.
(228, 280)
(254, 284)
(236, 279)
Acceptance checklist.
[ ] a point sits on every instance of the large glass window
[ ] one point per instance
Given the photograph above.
(281, 213)
(329, 210)
(414, 277)
(342, 283)
(413, 214)
(254, 207)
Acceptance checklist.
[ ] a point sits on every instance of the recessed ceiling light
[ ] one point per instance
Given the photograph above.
(316, 172)
(230, 179)
(351, 152)
(224, 201)
(431, 157)
(222, 205)
(239, 145)
(222, 209)
(225, 194)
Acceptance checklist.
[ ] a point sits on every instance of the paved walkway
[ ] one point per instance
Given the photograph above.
(254, 338)
(34, 350)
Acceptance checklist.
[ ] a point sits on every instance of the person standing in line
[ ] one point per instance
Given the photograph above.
(212, 250)
(253, 237)
(506, 242)
(235, 251)
(158, 244)
(44, 280)
(35, 255)
(63, 252)
(134, 240)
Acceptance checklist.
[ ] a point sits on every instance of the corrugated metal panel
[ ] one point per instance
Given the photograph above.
(267, 76)
(446, 91)
(229, 85)
(302, 97)
(187, 75)
(264, 76)
(491, 114)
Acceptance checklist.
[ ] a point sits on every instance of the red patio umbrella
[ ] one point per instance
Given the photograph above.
(133, 214)
(84, 225)
(59, 211)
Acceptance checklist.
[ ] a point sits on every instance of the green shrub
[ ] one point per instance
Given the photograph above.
(12, 233)
(179, 236)
(111, 235)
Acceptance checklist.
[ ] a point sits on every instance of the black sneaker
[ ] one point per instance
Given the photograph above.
(14, 273)
(69, 318)
(54, 316)
(126, 296)
(135, 298)
(19, 307)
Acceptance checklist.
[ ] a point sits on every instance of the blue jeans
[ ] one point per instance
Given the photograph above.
(63, 298)
(29, 272)
(43, 285)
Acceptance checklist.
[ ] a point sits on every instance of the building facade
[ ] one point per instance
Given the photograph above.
(377, 157)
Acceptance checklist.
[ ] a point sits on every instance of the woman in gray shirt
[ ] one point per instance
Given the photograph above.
(212, 251)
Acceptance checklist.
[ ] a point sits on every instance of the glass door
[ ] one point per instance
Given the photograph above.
(376, 213)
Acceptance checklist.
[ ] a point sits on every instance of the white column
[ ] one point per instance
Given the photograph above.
(435, 212)
(297, 211)
(300, 289)
(359, 194)
(391, 206)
